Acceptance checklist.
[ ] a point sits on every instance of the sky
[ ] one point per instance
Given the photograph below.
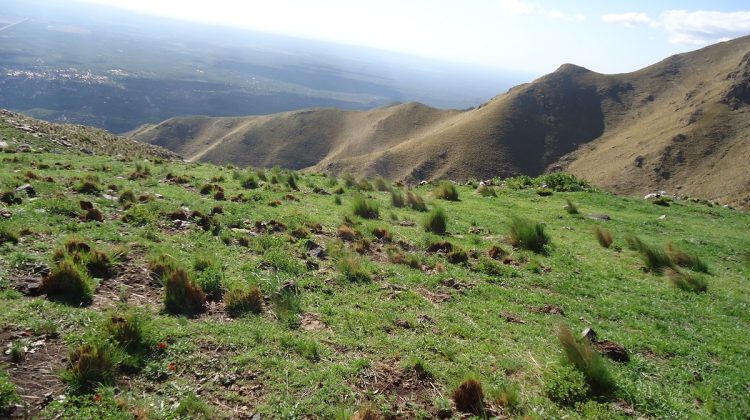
(523, 35)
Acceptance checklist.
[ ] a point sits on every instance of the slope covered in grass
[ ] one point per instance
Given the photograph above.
(333, 314)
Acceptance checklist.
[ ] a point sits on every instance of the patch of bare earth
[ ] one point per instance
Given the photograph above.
(405, 390)
(36, 374)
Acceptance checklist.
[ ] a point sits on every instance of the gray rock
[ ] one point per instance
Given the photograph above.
(24, 148)
(28, 189)
(589, 334)
(604, 217)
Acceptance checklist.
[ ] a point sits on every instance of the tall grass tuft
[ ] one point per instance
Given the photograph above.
(436, 221)
(243, 300)
(397, 198)
(586, 360)
(527, 234)
(655, 259)
(415, 201)
(69, 283)
(570, 207)
(352, 269)
(686, 259)
(469, 397)
(446, 191)
(688, 282)
(365, 208)
(90, 365)
(603, 236)
(181, 294)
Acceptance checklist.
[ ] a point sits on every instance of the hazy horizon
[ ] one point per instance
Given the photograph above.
(526, 36)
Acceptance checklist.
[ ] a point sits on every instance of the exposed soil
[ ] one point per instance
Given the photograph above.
(36, 375)
(404, 389)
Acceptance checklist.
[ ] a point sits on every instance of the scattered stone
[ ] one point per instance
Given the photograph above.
(3, 144)
(423, 183)
(407, 223)
(456, 285)
(315, 250)
(603, 217)
(28, 189)
(5, 214)
(24, 148)
(662, 217)
(589, 334)
(86, 151)
(321, 191)
(30, 286)
(289, 286)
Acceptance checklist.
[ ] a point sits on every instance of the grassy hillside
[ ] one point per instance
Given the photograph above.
(679, 125)
(187, 289)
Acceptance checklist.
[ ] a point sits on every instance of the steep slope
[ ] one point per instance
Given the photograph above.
(679, 125)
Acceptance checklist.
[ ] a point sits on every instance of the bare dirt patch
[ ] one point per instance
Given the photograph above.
(404, 389)
(36, 375)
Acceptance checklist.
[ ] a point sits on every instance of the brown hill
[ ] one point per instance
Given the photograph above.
(678, 125)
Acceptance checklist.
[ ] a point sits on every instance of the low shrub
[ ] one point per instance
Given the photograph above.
(688, 282)
(192, 407)
(446, 191)
(603, 236)
(365, 208)
(469, 397)
(436, 221)
(527, 234)
(243, 300)
(181, 294)
(88, 187)
(250, 182)
(69, 283)
(580, 355)
(90, 365)
(565, 385)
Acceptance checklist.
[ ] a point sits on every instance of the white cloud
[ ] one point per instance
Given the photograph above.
(524, 8)
(696, 28)
(704, 27)
(627, 19)
(516, 7)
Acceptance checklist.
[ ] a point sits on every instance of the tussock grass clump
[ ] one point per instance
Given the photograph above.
(203, 262)
(446, 191)
(486, 191)
(410, 260)
(365, 208)
(88, 187)
(182, 295)
(436, 221)
(397, 198)
(586, 360)
(69, 283)
(686, 259)
(99, 264)
(161, 266)
(527, 234)
(211, 281)
(382, 234)
(291, 181)
(655, 258)
(243, 300)
(250, 182)
(688, 282)
(603, 236)
(457, 256)
(415, 201)
(351, 267)
(90, 365)
(381, 184)
(570, 207)
(8, 236)
(129, 331)
(469, 397)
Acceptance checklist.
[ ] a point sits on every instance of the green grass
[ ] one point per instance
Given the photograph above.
(316, 349)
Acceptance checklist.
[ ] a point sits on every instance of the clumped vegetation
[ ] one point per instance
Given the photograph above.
(242, 300)
(181, 294)
(283, 309)
(446, 191)
(365, 208)
(603, 236)
(436, 221)
(527, 234)
(580, 355)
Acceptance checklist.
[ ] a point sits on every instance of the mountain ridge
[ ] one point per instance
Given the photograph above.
(678, 125)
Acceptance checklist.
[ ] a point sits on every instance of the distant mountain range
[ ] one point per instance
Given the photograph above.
(95, 65)
(681, 125)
